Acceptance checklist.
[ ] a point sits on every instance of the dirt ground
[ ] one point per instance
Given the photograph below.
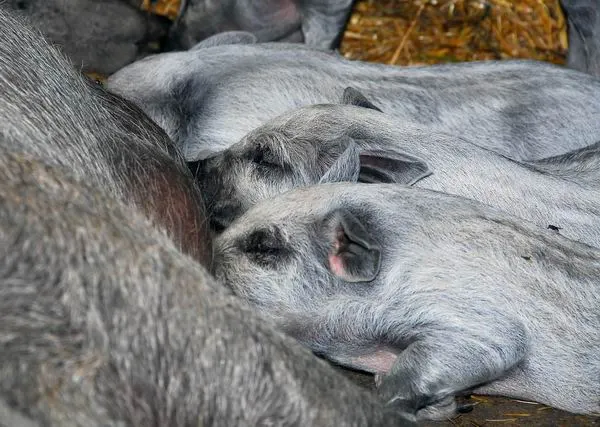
(497, 411)
(419, 32)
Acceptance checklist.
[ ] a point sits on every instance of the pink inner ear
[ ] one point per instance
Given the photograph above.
(336, 265)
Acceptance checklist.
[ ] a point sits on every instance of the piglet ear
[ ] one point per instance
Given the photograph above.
(346, 167)
(226, 38)
(389, 167)
(354, 256)
(352, 96)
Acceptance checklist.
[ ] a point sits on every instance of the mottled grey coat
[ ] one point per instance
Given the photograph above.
(332, 143)
(209, 98)
(436, 293)
(318, 23)
(103, 320)
(97, 35)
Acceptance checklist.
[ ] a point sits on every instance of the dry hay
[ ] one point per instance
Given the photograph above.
(168, 8)
(411, 32)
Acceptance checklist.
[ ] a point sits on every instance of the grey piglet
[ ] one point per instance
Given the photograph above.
(435, 293)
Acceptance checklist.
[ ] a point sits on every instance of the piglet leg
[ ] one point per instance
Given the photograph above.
(435, 368)
(323, 22)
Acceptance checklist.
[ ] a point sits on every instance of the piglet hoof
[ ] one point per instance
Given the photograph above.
(378, 380)
(465, 409)
(441, 410)
(403, 406)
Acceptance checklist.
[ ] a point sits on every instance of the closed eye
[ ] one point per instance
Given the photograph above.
(263, 241)
(266, 246)
(265, 160)
(264, 157)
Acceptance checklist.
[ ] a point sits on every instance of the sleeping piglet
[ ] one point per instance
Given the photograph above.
(354, 141)
(104, 319)
(318, 23)
(208, 98)
(98, 36)
(437, 293)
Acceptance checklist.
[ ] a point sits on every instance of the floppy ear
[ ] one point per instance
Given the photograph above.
(353, 255)
(229, 37)
(389, 167)
(352, 96)
(347, 166)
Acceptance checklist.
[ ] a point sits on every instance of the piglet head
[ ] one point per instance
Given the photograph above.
(266, 163)
(291, 254)
(306, 146)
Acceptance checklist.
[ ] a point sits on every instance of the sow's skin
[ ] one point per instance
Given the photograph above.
(435, 293)
(354, 142)
(318, 23)
(97, 35)
(103, 320)
(54, 113)
(208, 98)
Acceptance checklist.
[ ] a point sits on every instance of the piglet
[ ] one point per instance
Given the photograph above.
(98, 36)
(208, 98)
(318, 23)
(355, 141)
(438, 294)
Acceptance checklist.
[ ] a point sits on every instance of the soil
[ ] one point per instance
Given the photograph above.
(491, 411)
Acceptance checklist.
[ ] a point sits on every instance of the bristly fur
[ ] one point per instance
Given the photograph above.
(467, 297)
(208, 99)
(318, 23)
(49, 110)
(103, 320)
(313, 141)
